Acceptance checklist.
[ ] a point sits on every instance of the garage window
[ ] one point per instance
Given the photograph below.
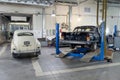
(87, 10)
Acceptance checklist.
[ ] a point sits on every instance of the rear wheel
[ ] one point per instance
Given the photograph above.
(36, 55)
(15, 55)
(94, 46)
(72, 46)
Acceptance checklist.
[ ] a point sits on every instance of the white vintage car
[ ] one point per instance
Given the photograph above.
(24, 43)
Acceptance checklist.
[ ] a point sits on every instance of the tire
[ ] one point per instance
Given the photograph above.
(36, 55)
(15, 55)
(94, 46)
(72, 46)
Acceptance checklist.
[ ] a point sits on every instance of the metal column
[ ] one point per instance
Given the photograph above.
(102, 52)
(97, 17)
(100, 57)
(70, 15)
(57, 39)
(43, 21)
(104, 18)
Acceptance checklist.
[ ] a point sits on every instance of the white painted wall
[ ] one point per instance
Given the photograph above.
(62, 13)
(37, 25)
(113, 15)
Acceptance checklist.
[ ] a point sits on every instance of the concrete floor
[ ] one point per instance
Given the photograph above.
(48, 67)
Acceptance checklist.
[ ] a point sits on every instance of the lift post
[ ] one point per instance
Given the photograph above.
(100, 57)
(57, 39)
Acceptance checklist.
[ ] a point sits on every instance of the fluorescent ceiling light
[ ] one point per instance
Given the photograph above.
(14, 23)
(17, 18)
(53, 14)
(79, 18)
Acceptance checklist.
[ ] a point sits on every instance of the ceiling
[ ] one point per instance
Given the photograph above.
(30, 2)
(51, 2)
(112, 1)
(80, 1)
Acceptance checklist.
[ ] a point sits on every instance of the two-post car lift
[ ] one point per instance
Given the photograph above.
(99, 57)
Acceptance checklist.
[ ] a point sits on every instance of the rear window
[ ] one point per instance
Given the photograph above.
(82, 29)
(25, 34)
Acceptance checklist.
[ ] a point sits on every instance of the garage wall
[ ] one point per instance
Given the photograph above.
(87, 12)
(113, 18)
(86, 18)
(37, 25)
(61, 15)
(113, 15)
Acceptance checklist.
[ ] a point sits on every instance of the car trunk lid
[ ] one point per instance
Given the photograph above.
(26, 43)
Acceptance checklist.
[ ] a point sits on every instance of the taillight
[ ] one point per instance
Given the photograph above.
(62, 36)
(88, 38)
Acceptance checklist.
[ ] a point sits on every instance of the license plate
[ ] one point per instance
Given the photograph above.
(27, 43)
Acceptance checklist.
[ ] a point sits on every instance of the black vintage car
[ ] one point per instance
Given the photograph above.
(84, 36)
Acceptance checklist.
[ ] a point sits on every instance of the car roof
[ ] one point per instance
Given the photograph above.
(20, 31)
(84, 27)
(87, 26)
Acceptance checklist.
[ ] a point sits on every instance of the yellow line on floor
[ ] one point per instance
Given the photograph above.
(76, 69)
(3, 50)
(37, 67)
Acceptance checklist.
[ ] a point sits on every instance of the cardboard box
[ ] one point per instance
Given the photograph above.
(61, 55)
(109, 54)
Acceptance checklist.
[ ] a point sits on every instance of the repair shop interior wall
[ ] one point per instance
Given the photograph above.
(113, 17)
(84, 14)
(37, 25)
(61, 17)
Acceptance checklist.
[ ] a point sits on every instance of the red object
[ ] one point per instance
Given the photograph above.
(60, 30)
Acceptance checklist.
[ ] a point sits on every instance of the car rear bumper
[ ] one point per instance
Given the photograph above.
(78, 42)
(27, 53)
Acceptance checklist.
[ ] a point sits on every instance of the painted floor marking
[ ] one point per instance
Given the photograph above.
(3, 49)
(39, 72)
(37, 67)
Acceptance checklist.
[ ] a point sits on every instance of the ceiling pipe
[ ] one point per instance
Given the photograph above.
(97, 17)
(104, 18)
